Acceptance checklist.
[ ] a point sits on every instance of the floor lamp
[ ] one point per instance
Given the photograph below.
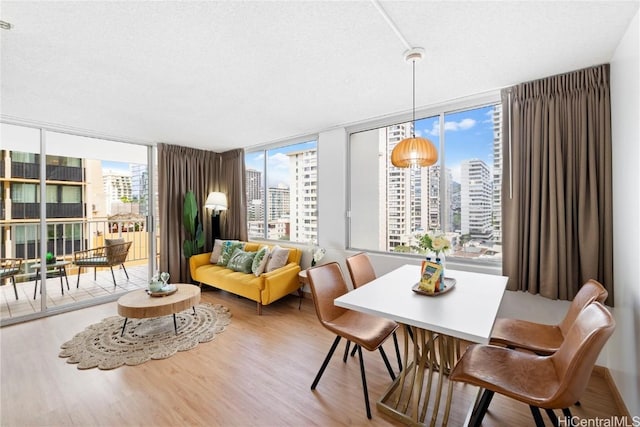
(217, 202)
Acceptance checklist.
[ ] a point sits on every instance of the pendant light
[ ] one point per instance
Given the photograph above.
(414, 151)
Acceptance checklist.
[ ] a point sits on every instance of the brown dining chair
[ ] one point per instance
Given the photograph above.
(540, 338)
(361, 272)
(548, 382)
(364, 330)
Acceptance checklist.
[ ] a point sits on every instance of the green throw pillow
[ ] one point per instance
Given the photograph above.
(227, 250)
(260, 260)
(241, 261)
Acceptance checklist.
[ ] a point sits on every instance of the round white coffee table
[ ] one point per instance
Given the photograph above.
(140, 305)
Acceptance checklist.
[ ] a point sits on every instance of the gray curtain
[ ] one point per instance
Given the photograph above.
(556, 191)
(233, 221)
(181, 169)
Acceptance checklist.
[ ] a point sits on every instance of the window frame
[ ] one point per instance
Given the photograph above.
(440, 110)
(265, 149)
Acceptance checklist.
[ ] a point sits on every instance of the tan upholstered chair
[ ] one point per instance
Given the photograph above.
(547, 382)
(114, 253)
(9, 267)
(361, 272)
(540, 338)
(364, 330)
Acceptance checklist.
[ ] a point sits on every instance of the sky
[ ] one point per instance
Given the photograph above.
(468, 135)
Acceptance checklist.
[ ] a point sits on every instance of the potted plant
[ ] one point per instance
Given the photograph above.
(194, 241)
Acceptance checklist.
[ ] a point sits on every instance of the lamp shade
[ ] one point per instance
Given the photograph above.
(216, 201)
(414, 151)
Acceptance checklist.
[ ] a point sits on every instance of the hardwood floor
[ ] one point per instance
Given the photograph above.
(256, 373)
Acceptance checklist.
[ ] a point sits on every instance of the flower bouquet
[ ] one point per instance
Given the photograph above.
(318, 254)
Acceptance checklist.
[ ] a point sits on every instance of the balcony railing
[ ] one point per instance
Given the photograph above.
(63, 239)
(54, 210)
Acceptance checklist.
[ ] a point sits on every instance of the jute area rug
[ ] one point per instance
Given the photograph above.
(100, 345)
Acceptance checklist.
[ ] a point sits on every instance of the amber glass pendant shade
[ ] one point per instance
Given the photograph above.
(414, 152)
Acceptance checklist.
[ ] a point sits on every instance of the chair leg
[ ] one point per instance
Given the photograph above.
(481, 408)
(114, 277)
(395, 343)
(552, 416)
(325, 363)
(125, 272)
(346, 351)
(353, 352)
(386, 362)
(78, 281)
(535, 411)
(567, 413)
(15, 290)
(364, 381)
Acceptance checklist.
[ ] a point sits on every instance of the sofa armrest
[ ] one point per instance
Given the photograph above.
(197, 260)
(285, 273)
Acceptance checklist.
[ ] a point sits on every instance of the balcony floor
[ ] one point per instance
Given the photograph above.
(88, 289)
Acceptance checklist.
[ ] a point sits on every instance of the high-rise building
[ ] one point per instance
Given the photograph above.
(255, 208)
(497, 173)
(303, 177)
(277, 203)
(404, 193)
(118, 188)
(65, 202)
(476, 200)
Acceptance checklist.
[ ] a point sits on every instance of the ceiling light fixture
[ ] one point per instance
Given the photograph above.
(414, 152)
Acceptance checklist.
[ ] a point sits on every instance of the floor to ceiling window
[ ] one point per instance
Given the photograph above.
(86, 192)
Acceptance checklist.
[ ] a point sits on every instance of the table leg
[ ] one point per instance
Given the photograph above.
(60, 275)
(420, 387)
(175, 324)
(66, 278)
(124, 326)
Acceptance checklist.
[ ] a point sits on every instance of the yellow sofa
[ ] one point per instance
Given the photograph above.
(263, 289)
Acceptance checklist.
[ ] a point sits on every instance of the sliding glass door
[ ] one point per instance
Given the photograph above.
(80, 195)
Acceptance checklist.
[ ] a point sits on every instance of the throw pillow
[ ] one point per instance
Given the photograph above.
(260, 260)
(278, 258)
(241, 261)
(215, 253)
(227, 250)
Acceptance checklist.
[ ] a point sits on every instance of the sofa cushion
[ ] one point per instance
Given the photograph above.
(260, 261)
(217, 250)
(278, 258)
(241, 261)
(228, 247)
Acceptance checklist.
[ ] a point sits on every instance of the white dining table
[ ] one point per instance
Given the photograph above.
(436, 324)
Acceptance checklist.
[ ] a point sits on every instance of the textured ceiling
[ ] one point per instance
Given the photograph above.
(221, 75)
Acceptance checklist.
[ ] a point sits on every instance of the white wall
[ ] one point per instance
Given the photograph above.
(621, 354)
(624, 351)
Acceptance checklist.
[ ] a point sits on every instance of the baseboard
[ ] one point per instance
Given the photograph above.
(617, 397)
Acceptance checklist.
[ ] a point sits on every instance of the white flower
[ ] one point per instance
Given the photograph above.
(318, 254)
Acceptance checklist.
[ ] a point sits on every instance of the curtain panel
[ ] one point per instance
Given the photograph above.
(181, 169)
(233, 221)
(556, 186)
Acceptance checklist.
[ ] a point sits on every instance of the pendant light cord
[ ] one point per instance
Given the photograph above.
(413, 128)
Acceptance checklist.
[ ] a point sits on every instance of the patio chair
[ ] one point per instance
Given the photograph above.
(113, 253)
(9, 267)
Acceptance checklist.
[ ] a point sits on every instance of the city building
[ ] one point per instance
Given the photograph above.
(475, 200)
(303, 210)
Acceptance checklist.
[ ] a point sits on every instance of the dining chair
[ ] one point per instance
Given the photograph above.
(361, 272)
(9, 267)
(364, 330)
(540, 338)
(542, 382)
